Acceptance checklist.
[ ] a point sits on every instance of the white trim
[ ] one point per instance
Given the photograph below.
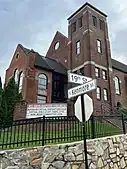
(85, 31)
(91, 30)
(110, 69)
(77, 68)
(68, 42)
(84, 12)
(89, 62)
(101, 67)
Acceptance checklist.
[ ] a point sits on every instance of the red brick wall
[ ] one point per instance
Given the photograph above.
(20, 110)
(21, 63)
(32, 86)
(88, 36)
(25, 63)
(122, 98)
(61, 54)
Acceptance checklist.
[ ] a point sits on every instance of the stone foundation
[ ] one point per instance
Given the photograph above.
(104, 153)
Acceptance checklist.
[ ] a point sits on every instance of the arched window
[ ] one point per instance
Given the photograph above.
(42, 86)
(16, 76)
(117, 85)
(21, 75)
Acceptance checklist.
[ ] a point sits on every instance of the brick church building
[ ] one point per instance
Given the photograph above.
(86, 50)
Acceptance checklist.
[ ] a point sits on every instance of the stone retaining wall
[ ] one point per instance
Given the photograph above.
(104, 153)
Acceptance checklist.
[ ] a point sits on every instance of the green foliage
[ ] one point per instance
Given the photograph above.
(9, 96)
(1, 93)
(121, 110)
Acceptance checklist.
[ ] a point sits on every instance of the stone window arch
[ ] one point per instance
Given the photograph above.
(117, 85)
(42, 88)
(16, 75)
(20, 85)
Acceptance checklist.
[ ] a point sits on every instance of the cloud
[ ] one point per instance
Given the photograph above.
(34, 23)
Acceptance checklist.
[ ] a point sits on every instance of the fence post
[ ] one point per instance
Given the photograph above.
(43, 132)
(123, 125)
(93, 126)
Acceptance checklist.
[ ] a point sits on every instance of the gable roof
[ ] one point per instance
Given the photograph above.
(41, 63)
(45, 63)
(119, 66)
(62, 35)
(52, 65)
(56, 66)
(57, 37)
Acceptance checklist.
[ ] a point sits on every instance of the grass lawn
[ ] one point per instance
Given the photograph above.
(20, 138)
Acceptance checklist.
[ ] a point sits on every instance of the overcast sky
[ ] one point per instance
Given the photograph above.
(34, 23)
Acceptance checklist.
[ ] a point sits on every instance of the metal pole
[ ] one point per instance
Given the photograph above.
(123, 125)
(84, 131)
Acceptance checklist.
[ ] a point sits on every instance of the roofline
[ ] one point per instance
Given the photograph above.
(116, 68)
(37, 66)
(62, 35)
(119, 62)
(51, 70)
(87, 4)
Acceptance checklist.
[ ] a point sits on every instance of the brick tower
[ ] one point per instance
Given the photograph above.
(89, 53)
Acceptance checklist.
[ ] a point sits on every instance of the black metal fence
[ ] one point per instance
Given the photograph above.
(52, 130)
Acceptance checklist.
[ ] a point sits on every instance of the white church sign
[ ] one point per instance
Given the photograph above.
(47, 110)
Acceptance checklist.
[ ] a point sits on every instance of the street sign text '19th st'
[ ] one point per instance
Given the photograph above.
(78, 79)
(81, 89)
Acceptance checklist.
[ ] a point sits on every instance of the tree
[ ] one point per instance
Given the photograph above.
(0, 91)
(10, 96)
(1, 112)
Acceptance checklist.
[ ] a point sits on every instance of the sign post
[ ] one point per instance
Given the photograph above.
(86, 85)
(84, 131)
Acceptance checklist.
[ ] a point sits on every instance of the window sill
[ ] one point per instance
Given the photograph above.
(101, 30)
(95, 27)
(106, 101)
(77, 55)
(99, 53)
(118, 94)
(98, 99)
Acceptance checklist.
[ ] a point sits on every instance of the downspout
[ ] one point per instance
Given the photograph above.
(92, 93)
(108, 71)
(70, 101)
(89, 40)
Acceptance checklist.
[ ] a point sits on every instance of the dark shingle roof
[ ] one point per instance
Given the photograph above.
(41, 63)
(56, 66)
(119, 66)
(87, 4)
(52, 65)
(46, 63)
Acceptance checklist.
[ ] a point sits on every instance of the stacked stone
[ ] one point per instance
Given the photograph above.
(104, 153)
